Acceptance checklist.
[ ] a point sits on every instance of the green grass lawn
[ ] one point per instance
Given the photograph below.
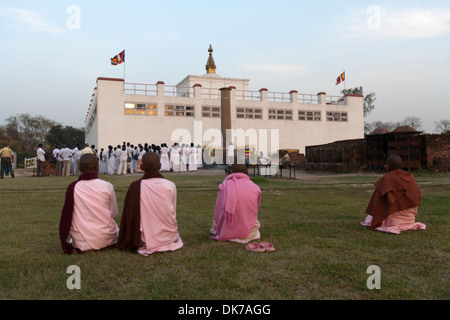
(322, 251)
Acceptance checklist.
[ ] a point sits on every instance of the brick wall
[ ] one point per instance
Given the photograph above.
(339, 156)
(352, 155)
(435, 152)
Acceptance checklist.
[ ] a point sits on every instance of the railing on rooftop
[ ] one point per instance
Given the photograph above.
(140, 88)
(174, 91)
(214, 94)
(278, 96)
(247, 95)
(334, 99)
(210, 93)
(308, 98)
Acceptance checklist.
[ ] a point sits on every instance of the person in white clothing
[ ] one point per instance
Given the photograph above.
(58, 166)
(175, 158)
(193, 158)
(117, 153)
(66, 154)
(130, 157)
(40, 161)
(262, 159)
(135, 158)
(76, 160)
(123, 161)
(110, 160)
(183, 158)
(102, 161)
(164, 158)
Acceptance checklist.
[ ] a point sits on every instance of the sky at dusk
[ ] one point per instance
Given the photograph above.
(53, 51)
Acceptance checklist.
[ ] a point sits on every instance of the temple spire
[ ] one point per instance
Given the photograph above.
(210, 64)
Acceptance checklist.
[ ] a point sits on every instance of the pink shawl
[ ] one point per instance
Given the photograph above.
(237, 207)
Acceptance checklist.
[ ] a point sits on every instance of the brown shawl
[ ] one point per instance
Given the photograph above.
(129, 231)
(395, 191)
(67, 212)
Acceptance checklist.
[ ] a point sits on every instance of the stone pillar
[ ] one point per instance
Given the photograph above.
(263, 94)
(293, 95)
(322, 97)
(160, 88)
(225, 119)
(197, 90)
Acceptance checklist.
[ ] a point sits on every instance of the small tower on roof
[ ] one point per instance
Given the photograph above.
(210, 64)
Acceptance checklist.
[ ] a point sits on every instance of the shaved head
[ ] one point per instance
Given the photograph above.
(394, 162)
(150, 162)
(239, 168)
(88, 163)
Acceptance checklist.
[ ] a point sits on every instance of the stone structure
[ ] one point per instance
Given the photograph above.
(418, 151)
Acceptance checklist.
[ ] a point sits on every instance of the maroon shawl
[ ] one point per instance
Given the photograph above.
(130, 224)
(395, 191)
(67, 212)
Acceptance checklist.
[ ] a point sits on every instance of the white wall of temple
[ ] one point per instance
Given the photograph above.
(112, 126)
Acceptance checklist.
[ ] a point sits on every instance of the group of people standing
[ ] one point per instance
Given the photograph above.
(66, 160)
(123, 159)
(127, 158)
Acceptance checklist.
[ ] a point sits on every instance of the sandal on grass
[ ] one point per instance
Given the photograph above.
(267, 246)
(255, 247)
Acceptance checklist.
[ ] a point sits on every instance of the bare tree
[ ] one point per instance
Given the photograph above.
(371, 126)
(28, 130)
(442, 126)
(413, 122)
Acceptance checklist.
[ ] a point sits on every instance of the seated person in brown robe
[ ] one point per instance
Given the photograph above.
(395, 200)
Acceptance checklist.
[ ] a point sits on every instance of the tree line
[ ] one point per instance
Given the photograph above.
(24, 132)
(441, 126)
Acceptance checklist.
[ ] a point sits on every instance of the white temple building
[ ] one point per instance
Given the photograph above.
(191, 111)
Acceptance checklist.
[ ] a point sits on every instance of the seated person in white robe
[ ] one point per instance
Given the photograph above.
(262, 159)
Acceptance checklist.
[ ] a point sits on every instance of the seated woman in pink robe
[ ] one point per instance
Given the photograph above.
(236, 210)
(394, 203)
(89, 210)
(149, 222)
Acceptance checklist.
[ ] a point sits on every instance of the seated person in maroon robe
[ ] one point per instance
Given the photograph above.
(395, 200)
